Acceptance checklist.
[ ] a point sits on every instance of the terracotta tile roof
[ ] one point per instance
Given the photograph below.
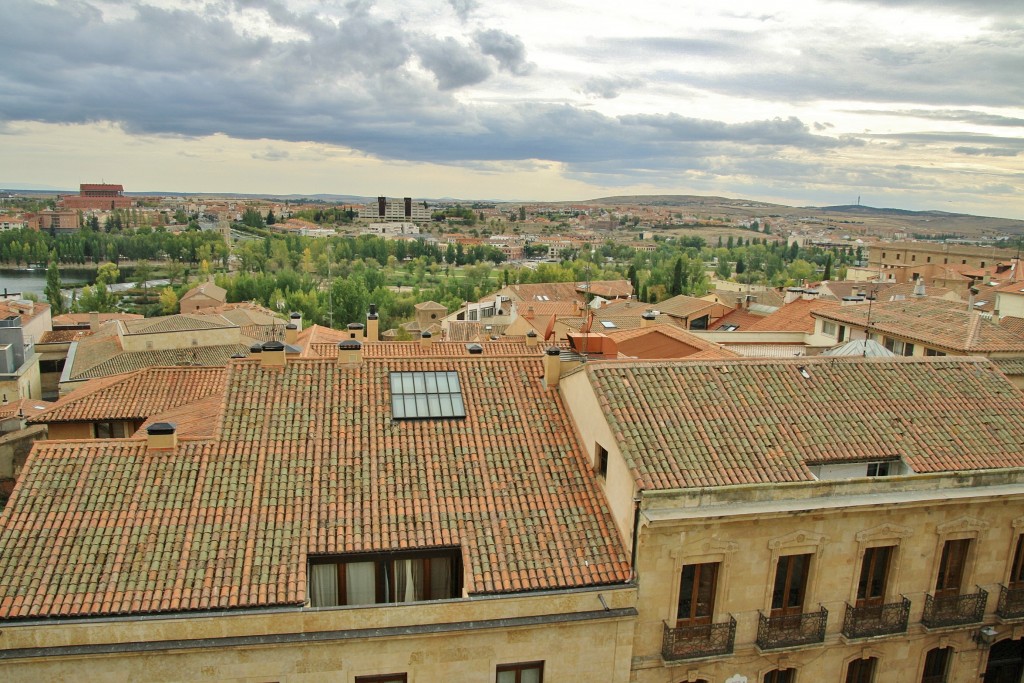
(607, 289)
(72, 319)
(318, 334)
(684, 424)
(548, 308)
(207, 289)
(471, 330)
(62, 336)
(739, 317)
(177, 323)
(682, 306)
(656, 335)
(792, 317)
(25, 310)
(136, 360)
(906, 290)
(564, 291)
(25, 406)
(1013, 324)
(933, 321)
(309, 462)
(137, 395)
(199, 419)
(1010, 366)
(506, 347)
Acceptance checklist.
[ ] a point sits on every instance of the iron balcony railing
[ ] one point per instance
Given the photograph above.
(954, 610)
(705, 640)
(1011, 602)
(876, 620)
(791, 630)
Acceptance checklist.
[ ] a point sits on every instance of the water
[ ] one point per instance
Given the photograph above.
(34, 281)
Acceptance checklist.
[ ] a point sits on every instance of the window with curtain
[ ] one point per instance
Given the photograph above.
(384, 578)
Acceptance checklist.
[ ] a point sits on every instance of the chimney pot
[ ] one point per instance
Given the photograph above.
(474, 349)
(350, 352)
(256, 348)
(272, 354)
(291, 334)
(162, 435)
(552, 366)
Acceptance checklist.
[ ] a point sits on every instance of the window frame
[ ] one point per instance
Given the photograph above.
(933, 662)
(787, 675)
(384, 580)
(958, 551)
(794, 581)
(518, 668)
(384, 678)
(1016, 578)
(601, 460)
(869, 568)
(698, 616)
(861, 670)
(400, 400)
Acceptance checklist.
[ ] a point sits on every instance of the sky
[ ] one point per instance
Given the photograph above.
(907, 104)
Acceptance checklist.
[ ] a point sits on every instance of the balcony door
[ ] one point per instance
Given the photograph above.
(1017, 571)
(790, 586)
(951, 568)
(874, 576)
(697, 594)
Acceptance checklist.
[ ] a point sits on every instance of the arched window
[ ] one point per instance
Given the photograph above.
(780, 676)
(936, 665)
(861, 670)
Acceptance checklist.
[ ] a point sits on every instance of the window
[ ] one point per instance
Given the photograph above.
(52, 365)
(608, 325)
(878, 469)
(874, 574)
(790, 584)
(780, 676)
(602, 460)
(424, 395)
(861, 670)
(385, 678)
(900, 348)
(929, 259)
(913, 257)
(109, 430)
(842, 333)
(376, 579)
(828, 328)
(697, 593)
(936, 665)
(1017, 572)
(933, 352)
(527, 672)
(951, 567)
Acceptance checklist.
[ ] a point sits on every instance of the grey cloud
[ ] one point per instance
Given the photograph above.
(463, 8)
(452, 63)
(987, 151)
(958, 115)
(271, 155)
(609, 87)
(508, 50)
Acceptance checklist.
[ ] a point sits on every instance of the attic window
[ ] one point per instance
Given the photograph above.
(608, 324)
(426, 395)
(730, 328)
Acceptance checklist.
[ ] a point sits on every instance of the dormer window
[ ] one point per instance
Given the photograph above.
(370, 579)
(881, 467)
(878, 469)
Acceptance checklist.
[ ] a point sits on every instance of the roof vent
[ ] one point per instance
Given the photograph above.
(355, 330)
(296, 316)
(648, 315)
(273, 354)
(350, 352)
(372, 315)
(238, 355)
(256, 348)
(273, 346)
(474, 349)
(350, 345)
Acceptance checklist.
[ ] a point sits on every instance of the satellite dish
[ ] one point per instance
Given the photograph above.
(550, 329)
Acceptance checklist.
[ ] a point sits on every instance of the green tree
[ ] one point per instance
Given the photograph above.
(522, 213)
(723, 270)
(677, 278)
(270, 217)
(740, 266)
(107, 274)
(168, 301)
(53, 292)
(828, 268)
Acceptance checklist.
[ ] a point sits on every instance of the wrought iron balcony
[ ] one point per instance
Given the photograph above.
(1011, 603)
(954, 610)
(706, 640)
(791, 630)
(876, 620)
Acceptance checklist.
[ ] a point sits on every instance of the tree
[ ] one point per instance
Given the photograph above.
(723, 270)
(728, 244)
(828, 268)
(522, 213)
(740, 266)
(168, 301)
(53, 292)
(107, 274)
(677, 278)
(270, 217)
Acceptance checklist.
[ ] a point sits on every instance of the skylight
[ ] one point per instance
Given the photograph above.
(426, 395)
(608, 324)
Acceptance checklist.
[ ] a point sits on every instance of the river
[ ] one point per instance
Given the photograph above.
(34, 281)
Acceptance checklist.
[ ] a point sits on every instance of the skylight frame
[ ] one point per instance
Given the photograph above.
(426, 395)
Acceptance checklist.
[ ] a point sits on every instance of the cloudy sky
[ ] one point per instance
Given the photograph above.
(914, 104)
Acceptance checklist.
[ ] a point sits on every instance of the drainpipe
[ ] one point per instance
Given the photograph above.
(636, 534)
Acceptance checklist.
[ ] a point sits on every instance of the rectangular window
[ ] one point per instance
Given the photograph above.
(874, 574)
(828, 328)
(425, 395)
(878, 469)
(385, 678)
(790, 584)
(526, 672)
(933, 352)
(842, 333)
(1017, 571)
(377, 579)
(861, 671)
(697, 585)
(951, 568)
(602, 460)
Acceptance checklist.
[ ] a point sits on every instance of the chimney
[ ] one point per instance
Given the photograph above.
(372, 324)
(291, 334)
(648, 318)
(296, 319)
(162, 436)
(355, 331)
(552, 366)
(792, 294)
(474, 349)
(809, 294)
(529, 313)
(531, 339)
(426, 340)
(272, 355)
(350, 352)
(94, 321)
(919, 287)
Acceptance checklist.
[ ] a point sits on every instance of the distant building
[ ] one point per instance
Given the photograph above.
(97, 197)
(392, 210)
(206, 295)
(59, 222)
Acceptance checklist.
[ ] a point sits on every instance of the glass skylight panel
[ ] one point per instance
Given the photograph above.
(426, 395)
